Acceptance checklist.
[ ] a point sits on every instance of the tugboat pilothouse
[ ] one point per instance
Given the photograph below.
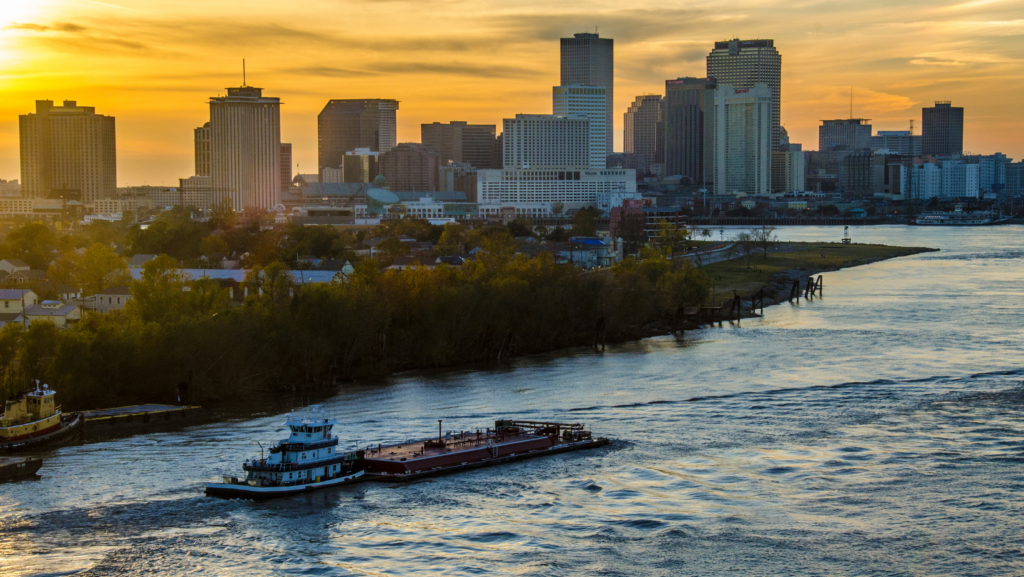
(34, 419)
(308, 459)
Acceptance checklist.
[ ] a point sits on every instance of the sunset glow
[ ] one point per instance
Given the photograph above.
(154, 64)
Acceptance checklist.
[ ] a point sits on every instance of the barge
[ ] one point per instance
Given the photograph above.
(138, 416)
(509, 440)
(33, 420)
(15, 467)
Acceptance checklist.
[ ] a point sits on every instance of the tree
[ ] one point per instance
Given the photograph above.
(631, 230)
(158, 295)
(557, 208)
(99, 267)
(271, 284)
(557, 234)
(451, 240)
(63, 271)
(747, 245)
(213, 245)
(669, 238)
(584, 222)
(393, 248)
(764, 236)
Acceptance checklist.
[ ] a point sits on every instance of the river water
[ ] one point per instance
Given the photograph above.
(878, 430)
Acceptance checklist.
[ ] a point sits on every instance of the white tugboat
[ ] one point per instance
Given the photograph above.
(307, 460)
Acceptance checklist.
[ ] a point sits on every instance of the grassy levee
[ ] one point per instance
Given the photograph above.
(809, 258)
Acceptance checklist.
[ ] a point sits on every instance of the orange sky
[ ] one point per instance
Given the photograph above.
(153, 64)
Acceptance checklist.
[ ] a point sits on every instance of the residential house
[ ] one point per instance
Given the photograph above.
(140, 259)
(57, 312)
(11, 265)
(23, 277)
(16, 300)
(109, 299)
(16, 318)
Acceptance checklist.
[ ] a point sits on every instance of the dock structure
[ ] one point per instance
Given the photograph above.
(139, 415)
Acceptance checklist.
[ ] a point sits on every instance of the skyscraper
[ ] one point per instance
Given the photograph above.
(286, 166)
(640, 130)
(743, 152)
(345, 125)
(67, 148)
(410, 167)
(942, 129)
(897, 142)
(461, 142)
(589, 60)
(688, 120)
(590, 102)
(844, 134)
(202, 139)
(245, 148)
(744, 63)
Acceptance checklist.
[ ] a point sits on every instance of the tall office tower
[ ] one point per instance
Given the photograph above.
(461, 142)
(689, 128)
(286, 166)
(361, 165)
(900, 142)
(588, 102)
(844, 134)
(67, 148)
(202, 137)
(743, 133)
(410, 167)
(744, 63)
(245, 148)
(345, 125)
(640, 130)
(589, 60)
(788, 174)
(546, 140)
(942, 130)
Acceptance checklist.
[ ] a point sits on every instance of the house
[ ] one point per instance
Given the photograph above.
(11, 265)
(67, 293)
(5, 318)
(109, 299)
(16, 300)
(22, 277)
(404, 262)
(57, 312)
(140, 259)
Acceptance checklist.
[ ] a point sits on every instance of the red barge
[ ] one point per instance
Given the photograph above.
(509, 440)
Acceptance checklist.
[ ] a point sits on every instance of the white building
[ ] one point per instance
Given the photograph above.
(743, 132)
(609, 199)
(245, 148)
(538, 189)
(589, 60)
(541, 141)
(960, 180)
(925, 181)
(590, 103)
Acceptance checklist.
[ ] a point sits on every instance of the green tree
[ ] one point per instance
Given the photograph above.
(64, 270)
(584, 222)
(99, 267)
(159, 294)
(631, 230)
(669, 238)
(451, 239)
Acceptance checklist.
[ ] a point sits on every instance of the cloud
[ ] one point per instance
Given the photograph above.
(57, 27)
(418, 67)
(935, 62)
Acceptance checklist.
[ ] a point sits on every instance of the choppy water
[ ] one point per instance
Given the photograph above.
(876, 431)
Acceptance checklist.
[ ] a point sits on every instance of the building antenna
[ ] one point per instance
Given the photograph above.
(911, 126)
(851, 102)
(243, 72)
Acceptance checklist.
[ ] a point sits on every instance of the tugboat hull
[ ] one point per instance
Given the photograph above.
(13, 468)
(69, 429)
(242, 490)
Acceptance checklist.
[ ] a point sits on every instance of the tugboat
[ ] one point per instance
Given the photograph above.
(33, 420)
(307, 460)
(15, 467)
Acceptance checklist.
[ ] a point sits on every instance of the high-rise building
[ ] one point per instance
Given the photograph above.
(900, 142)
(546, 140)
(345, 125)
(992, 172)
(461, 142)
(410, 167)
(70, 149)
(960, 180)
(844, 134)
(196, 191)
(788, 174)
(245, 148)
(689, 125)
(589, 60)
(743, 134)
(536, 191)
(744, 63)
(590, 102)
(640, 130)
(942, 130)
(458, 177)
(361, 165)
(202, 140)
(286, 166)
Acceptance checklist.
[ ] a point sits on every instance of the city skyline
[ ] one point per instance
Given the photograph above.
(485, 65)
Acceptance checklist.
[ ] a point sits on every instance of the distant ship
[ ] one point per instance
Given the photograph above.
(33, 419)
(960, 218)
(308, 459)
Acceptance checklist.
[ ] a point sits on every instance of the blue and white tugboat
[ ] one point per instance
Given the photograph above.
(307, 460)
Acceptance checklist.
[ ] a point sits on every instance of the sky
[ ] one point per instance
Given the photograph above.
(154, 64)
